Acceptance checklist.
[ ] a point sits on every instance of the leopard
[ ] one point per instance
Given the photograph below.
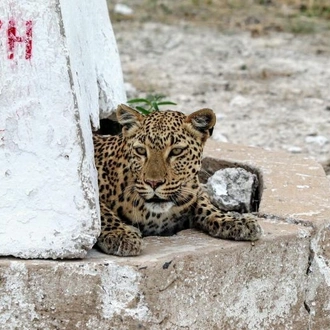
(149, 185)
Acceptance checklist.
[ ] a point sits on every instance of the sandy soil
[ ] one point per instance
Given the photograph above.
(268, 89)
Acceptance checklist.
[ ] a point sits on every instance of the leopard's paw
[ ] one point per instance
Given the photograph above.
(239, 228)
(122, 242)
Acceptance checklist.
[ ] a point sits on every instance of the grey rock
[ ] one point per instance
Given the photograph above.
(232, 189)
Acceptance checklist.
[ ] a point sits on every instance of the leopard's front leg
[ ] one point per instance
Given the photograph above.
(224, 225)
(117, 237)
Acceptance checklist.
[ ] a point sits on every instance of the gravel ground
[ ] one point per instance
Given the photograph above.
(270, 90)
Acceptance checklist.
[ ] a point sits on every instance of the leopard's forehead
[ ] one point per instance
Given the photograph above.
(159, 121)
(162, 128)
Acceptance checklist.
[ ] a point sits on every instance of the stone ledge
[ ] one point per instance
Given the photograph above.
(193, 281)
(190, 280)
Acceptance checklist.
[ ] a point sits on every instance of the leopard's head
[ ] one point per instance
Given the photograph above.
(165, 153)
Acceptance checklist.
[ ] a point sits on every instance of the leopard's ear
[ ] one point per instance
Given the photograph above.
(201, 123)
(129, 118)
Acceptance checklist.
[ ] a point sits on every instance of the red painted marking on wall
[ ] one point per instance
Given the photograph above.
(0, 24)
(28, 41)
(13, 38)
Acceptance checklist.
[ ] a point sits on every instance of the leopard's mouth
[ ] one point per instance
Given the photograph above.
(157, 200)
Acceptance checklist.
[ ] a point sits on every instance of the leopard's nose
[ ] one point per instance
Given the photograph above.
(154, 184)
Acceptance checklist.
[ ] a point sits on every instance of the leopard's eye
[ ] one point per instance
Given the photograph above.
(141, 151)
(176, 151)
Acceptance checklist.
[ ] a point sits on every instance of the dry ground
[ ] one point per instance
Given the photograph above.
(263, 66)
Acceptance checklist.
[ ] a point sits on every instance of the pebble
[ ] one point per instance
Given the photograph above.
(123, 9)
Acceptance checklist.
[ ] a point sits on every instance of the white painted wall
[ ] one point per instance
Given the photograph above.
(48, 98)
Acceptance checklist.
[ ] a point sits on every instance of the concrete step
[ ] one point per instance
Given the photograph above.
(191, 280)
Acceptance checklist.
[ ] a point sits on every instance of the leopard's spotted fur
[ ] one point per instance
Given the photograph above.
(148, 181)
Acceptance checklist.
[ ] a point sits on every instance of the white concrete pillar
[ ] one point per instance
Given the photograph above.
(58, 66)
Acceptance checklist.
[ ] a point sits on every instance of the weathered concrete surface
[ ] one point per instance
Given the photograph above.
(193, 281)
(189, 281)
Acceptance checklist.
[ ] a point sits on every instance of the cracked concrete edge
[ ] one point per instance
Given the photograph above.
(318, 283)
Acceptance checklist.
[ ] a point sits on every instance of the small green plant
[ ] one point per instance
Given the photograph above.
(149, 104)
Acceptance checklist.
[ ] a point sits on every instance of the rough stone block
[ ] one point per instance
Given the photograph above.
(59, 64)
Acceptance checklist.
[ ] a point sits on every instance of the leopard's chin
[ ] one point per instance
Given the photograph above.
(158, 206)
